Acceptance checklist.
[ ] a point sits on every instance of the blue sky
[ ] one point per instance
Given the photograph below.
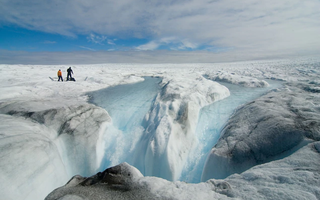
(20, 39)
(216, 30)
(15, 38)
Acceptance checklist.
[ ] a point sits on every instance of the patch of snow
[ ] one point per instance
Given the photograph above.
(237, 79)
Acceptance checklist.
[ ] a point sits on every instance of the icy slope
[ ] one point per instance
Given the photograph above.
(212, 119)
(170, 133)
(49, 143)
(233, 78)
(294, 177)
(127, 105)
(268, 128)
(30, 161)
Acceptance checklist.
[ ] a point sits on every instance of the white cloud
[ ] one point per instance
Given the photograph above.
(171, 43)
(272, 27)
(49, 42)
(111, 42)
(153, 45)
(163, 56)
(87, 48)
(186, 44)
(96, 39)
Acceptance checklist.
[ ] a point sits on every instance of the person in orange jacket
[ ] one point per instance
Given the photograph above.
(60, 75)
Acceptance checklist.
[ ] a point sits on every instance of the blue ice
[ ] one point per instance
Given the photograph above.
(128, 105)
(212, 119)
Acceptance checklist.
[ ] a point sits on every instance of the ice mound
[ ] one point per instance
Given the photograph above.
(233, 78)
(312, 86)
(30, 161)
(171, 123)
(45, 142)
(126, 182)
(294, 177)
(268, 128)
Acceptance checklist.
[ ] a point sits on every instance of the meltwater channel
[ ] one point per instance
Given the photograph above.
(212, 119)
(128, 105)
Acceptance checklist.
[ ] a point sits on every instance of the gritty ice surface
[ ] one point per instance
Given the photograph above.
(268, 149)
(126, 182)
(271, 127)
(237, 79)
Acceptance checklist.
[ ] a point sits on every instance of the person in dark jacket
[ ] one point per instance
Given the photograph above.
(69, 70)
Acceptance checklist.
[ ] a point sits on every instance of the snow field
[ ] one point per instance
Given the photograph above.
(56, 116)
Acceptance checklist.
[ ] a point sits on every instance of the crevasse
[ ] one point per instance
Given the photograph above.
(130, 104)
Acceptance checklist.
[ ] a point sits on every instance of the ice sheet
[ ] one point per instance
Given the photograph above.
(34, 108)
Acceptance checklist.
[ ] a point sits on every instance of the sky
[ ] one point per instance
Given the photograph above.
(102, 31)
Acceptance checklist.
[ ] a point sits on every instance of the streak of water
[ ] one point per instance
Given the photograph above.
(212, 119)
(127, 105)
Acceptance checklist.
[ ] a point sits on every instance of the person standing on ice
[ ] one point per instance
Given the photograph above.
(69, 70)
(60, 75)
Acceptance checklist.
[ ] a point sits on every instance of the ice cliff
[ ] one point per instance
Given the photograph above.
(268, 128)
(170, 132)
(41, 142)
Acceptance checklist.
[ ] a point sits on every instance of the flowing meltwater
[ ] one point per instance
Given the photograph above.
(128, 105)
(212, 119)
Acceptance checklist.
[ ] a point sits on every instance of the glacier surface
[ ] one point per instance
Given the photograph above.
(268, 149)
